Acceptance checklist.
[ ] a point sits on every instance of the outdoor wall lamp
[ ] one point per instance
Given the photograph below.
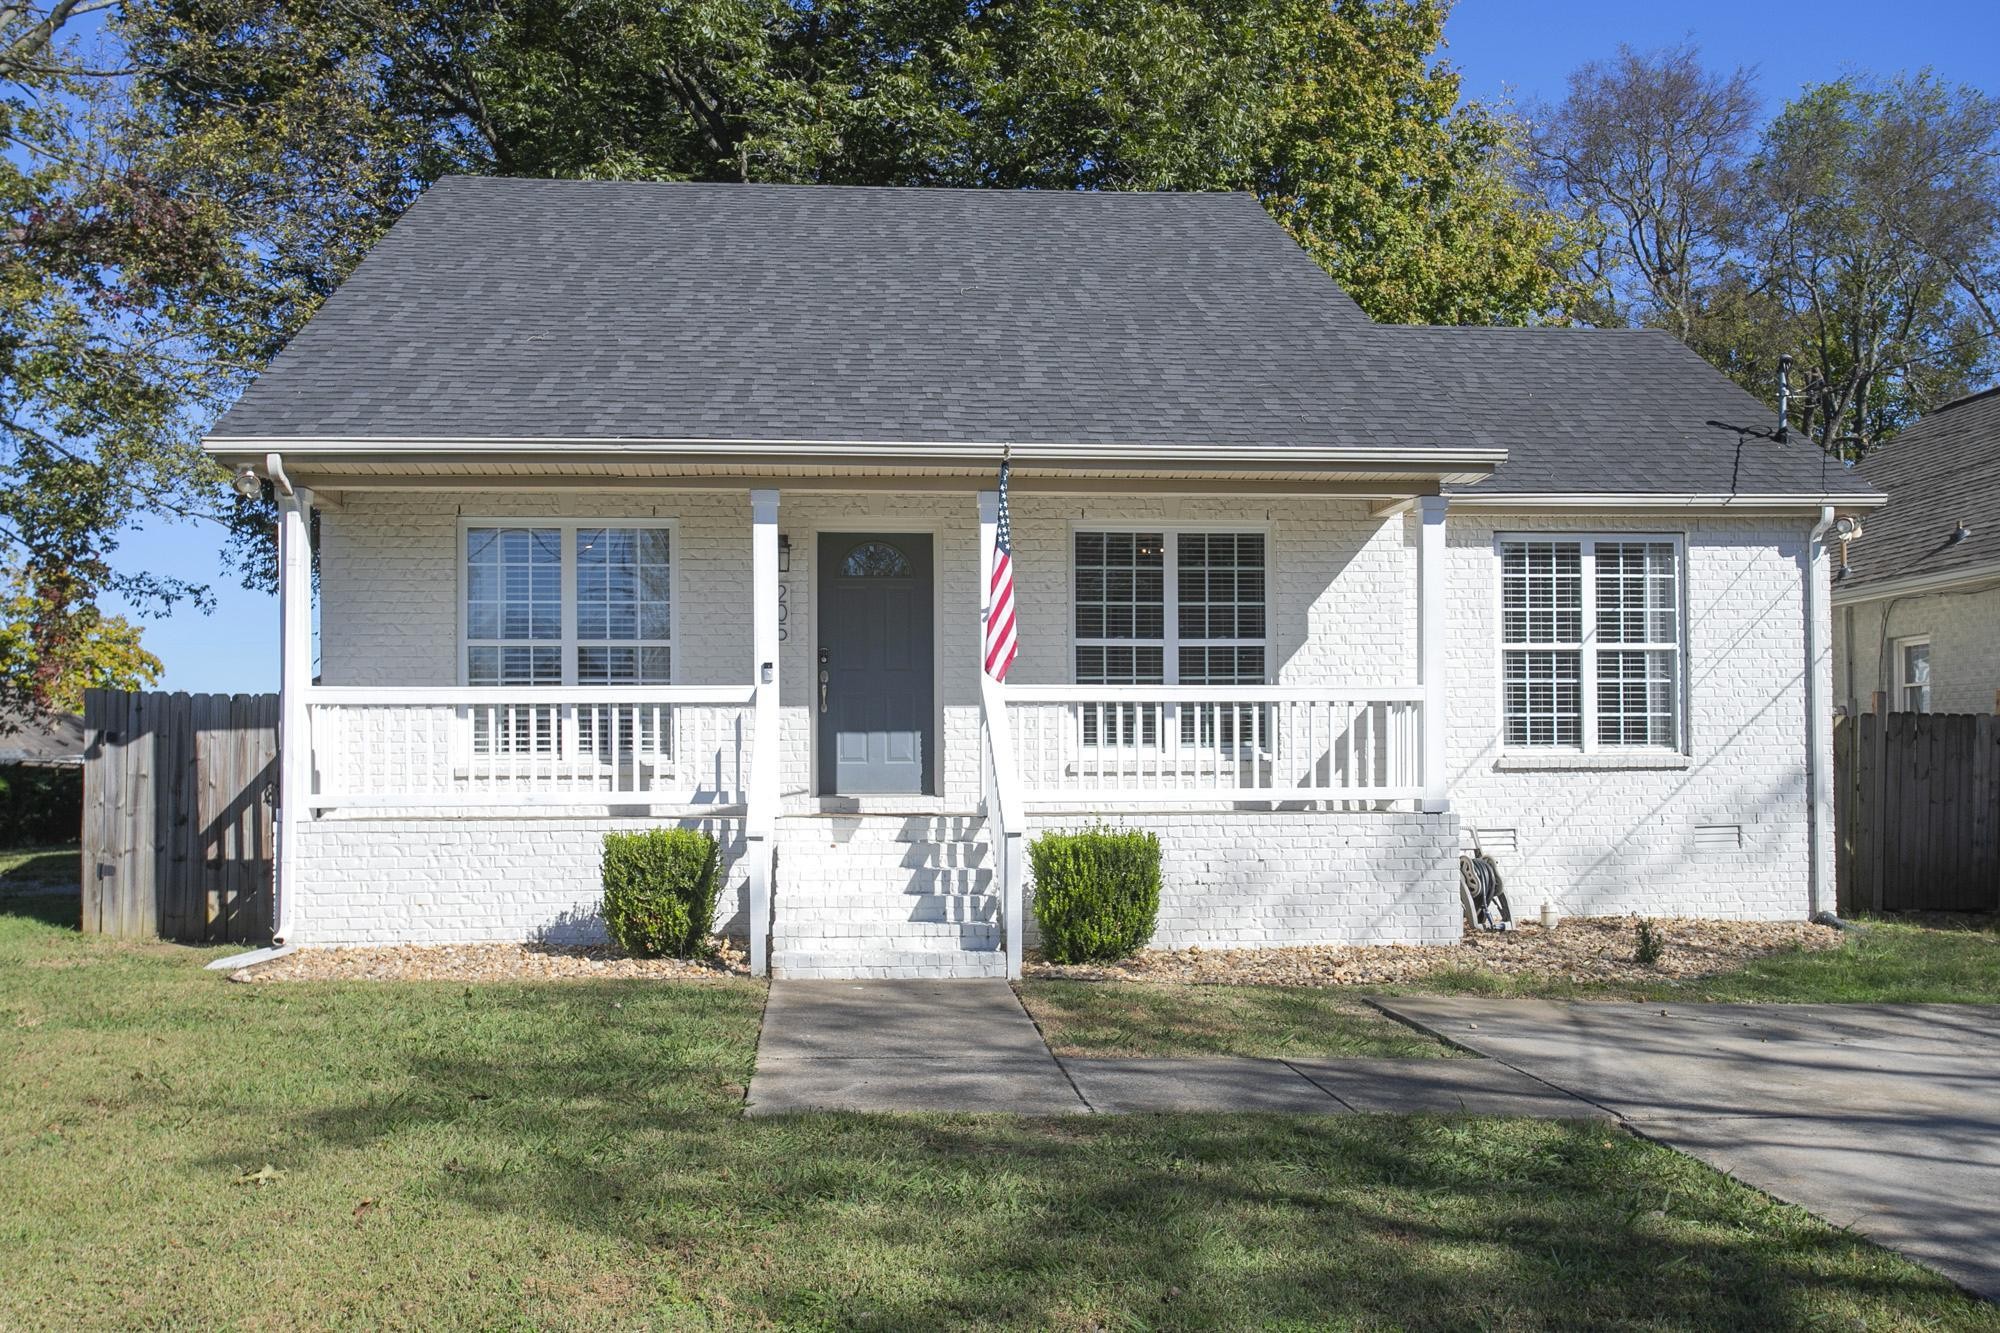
(784, 554)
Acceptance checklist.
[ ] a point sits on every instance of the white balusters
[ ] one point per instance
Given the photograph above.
(650, 745)
(1159, 744)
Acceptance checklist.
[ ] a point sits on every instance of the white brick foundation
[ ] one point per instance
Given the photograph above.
(461, 881)
(1245, 879)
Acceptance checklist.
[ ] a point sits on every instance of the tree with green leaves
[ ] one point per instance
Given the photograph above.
(109, 357)
(1870, 200)
(1858, 232)
(201, 188)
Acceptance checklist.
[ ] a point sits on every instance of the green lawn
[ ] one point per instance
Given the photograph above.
(571, 1155)
(32, 869)
(1139, 1019)
(1901, 962)
(1889, 962)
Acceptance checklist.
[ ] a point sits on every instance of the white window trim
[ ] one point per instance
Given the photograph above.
(1904, 684)
(1589, 648)
(1171, 533)
(569, 528)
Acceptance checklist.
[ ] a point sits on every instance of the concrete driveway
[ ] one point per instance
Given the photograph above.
(1881, 1118)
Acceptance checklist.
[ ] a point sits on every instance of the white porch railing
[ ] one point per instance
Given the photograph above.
(1164, 744)
(540, 746)
(1006, 817)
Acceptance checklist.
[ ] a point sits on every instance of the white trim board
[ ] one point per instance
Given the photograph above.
(1967, 578)
(1588, 648)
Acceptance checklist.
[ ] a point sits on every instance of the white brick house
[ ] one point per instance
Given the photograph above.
(644, 504)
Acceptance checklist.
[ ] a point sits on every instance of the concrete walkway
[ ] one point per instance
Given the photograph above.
(1881, 1118)
(970, 1046)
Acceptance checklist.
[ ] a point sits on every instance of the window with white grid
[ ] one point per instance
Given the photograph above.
(1166, 607)
(557, 602)
(1591, 642)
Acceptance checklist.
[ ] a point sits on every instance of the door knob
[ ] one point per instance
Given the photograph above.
(824, 675)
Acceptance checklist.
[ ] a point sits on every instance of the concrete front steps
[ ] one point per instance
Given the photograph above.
(885, 896)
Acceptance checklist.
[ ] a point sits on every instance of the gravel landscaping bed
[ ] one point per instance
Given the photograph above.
(1581, 949)
(490, 962)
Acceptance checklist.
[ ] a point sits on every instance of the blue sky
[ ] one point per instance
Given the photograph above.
(1520, 51)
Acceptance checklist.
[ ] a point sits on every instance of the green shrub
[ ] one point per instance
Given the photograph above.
(660, 888)
(40, 806)
(1097, 893)
(1651, 948)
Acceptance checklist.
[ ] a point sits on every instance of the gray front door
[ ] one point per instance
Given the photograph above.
(875, 701)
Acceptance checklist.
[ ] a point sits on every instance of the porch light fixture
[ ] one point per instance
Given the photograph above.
(784, 554)
(246, 484)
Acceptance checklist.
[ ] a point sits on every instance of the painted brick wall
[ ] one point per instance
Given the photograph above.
(1248, 879)
(1343, 612)
(1964, 630)
(457, 881)
(1617, 839)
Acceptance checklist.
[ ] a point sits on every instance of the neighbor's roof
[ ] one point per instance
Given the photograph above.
(1941, 472)
(609, 312)
(53, 739)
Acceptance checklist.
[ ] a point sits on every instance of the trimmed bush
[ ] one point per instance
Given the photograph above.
(1097, 893)
(660, 888)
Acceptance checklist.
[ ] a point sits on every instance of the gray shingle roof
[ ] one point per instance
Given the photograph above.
(567, 309)
(1627, 411)
(572, 310)
(1940, 472)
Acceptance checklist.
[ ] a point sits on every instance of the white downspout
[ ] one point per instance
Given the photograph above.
(1819, 721)
(295, 678)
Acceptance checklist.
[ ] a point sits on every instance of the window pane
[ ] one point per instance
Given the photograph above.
(1636, 698)
(1119, 664)
(1221, 580)
(1638, 600)
(513, 583)
(1541, 592)
(1917, 677)
(1221, 666)
(1120, 585)
(1544, 698)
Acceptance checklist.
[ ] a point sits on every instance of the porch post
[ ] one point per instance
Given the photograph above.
(1431, 648)
(989, 524)
(295, 768)
(761, 812)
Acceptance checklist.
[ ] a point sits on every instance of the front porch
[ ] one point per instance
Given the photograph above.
(462, 771)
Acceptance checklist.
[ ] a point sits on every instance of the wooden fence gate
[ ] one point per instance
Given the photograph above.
(1919, 812)
(179, 793)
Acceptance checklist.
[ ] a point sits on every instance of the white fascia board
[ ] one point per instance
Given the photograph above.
(860, 452)
(1623, 501)
(1909, 585)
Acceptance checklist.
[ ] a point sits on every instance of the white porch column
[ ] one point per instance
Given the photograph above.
(764, 795)
(989, 524)
(295, 768)
(1431, 593)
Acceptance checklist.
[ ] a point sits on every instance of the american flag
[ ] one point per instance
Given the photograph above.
(1001, 641)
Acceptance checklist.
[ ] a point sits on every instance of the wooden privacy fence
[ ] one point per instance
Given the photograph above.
(179, 793)
(1919, 812)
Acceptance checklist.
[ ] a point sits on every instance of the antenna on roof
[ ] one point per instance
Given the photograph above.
(1784, 397)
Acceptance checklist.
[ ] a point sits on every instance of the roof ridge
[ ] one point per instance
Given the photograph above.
(987, 190)
(1962, 400)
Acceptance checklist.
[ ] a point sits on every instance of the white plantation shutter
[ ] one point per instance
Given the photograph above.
(1591, 642)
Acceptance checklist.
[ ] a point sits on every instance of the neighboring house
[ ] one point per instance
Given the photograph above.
(53, 740)
(1917, 610)
(649, 503)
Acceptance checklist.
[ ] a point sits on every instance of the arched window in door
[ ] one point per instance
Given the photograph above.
(876, 560)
